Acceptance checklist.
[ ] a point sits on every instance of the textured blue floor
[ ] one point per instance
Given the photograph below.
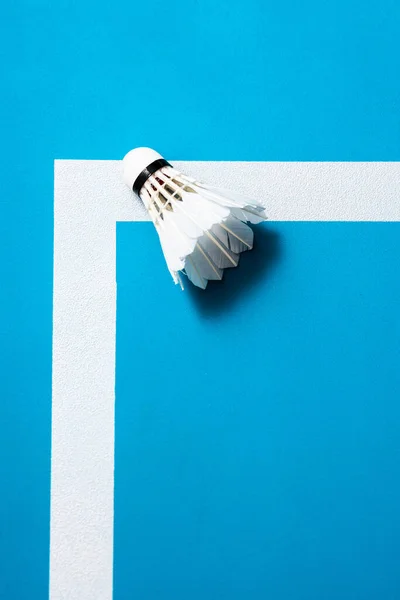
(257, 446)
(254, 80)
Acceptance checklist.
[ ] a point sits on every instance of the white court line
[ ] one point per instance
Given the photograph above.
(89, 199)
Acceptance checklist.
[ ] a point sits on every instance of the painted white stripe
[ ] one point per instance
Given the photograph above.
(89, 199)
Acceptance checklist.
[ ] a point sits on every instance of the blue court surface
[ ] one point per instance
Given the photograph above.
(257, 447)
(257, 427)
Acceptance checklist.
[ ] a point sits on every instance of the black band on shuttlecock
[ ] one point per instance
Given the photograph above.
(148, 172)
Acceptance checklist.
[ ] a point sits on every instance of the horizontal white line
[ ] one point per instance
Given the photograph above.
(290, 191)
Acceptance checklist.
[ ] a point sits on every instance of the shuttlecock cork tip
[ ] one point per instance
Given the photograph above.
(137, 165)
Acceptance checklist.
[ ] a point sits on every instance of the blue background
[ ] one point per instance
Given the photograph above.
(250, 80)
(257, 423)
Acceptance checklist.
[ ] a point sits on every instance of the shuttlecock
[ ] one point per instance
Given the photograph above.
(202, 229)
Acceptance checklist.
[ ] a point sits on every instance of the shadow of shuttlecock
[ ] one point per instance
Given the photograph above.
(254, 266)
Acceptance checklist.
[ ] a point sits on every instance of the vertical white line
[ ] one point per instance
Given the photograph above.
(84, 314)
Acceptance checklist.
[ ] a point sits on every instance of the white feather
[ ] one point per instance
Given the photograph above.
(242, 208)
(235, 234)
(193, 273)
(228, 196)
(175, 238)
(204, 264)
(202, 229)
(222, 256)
